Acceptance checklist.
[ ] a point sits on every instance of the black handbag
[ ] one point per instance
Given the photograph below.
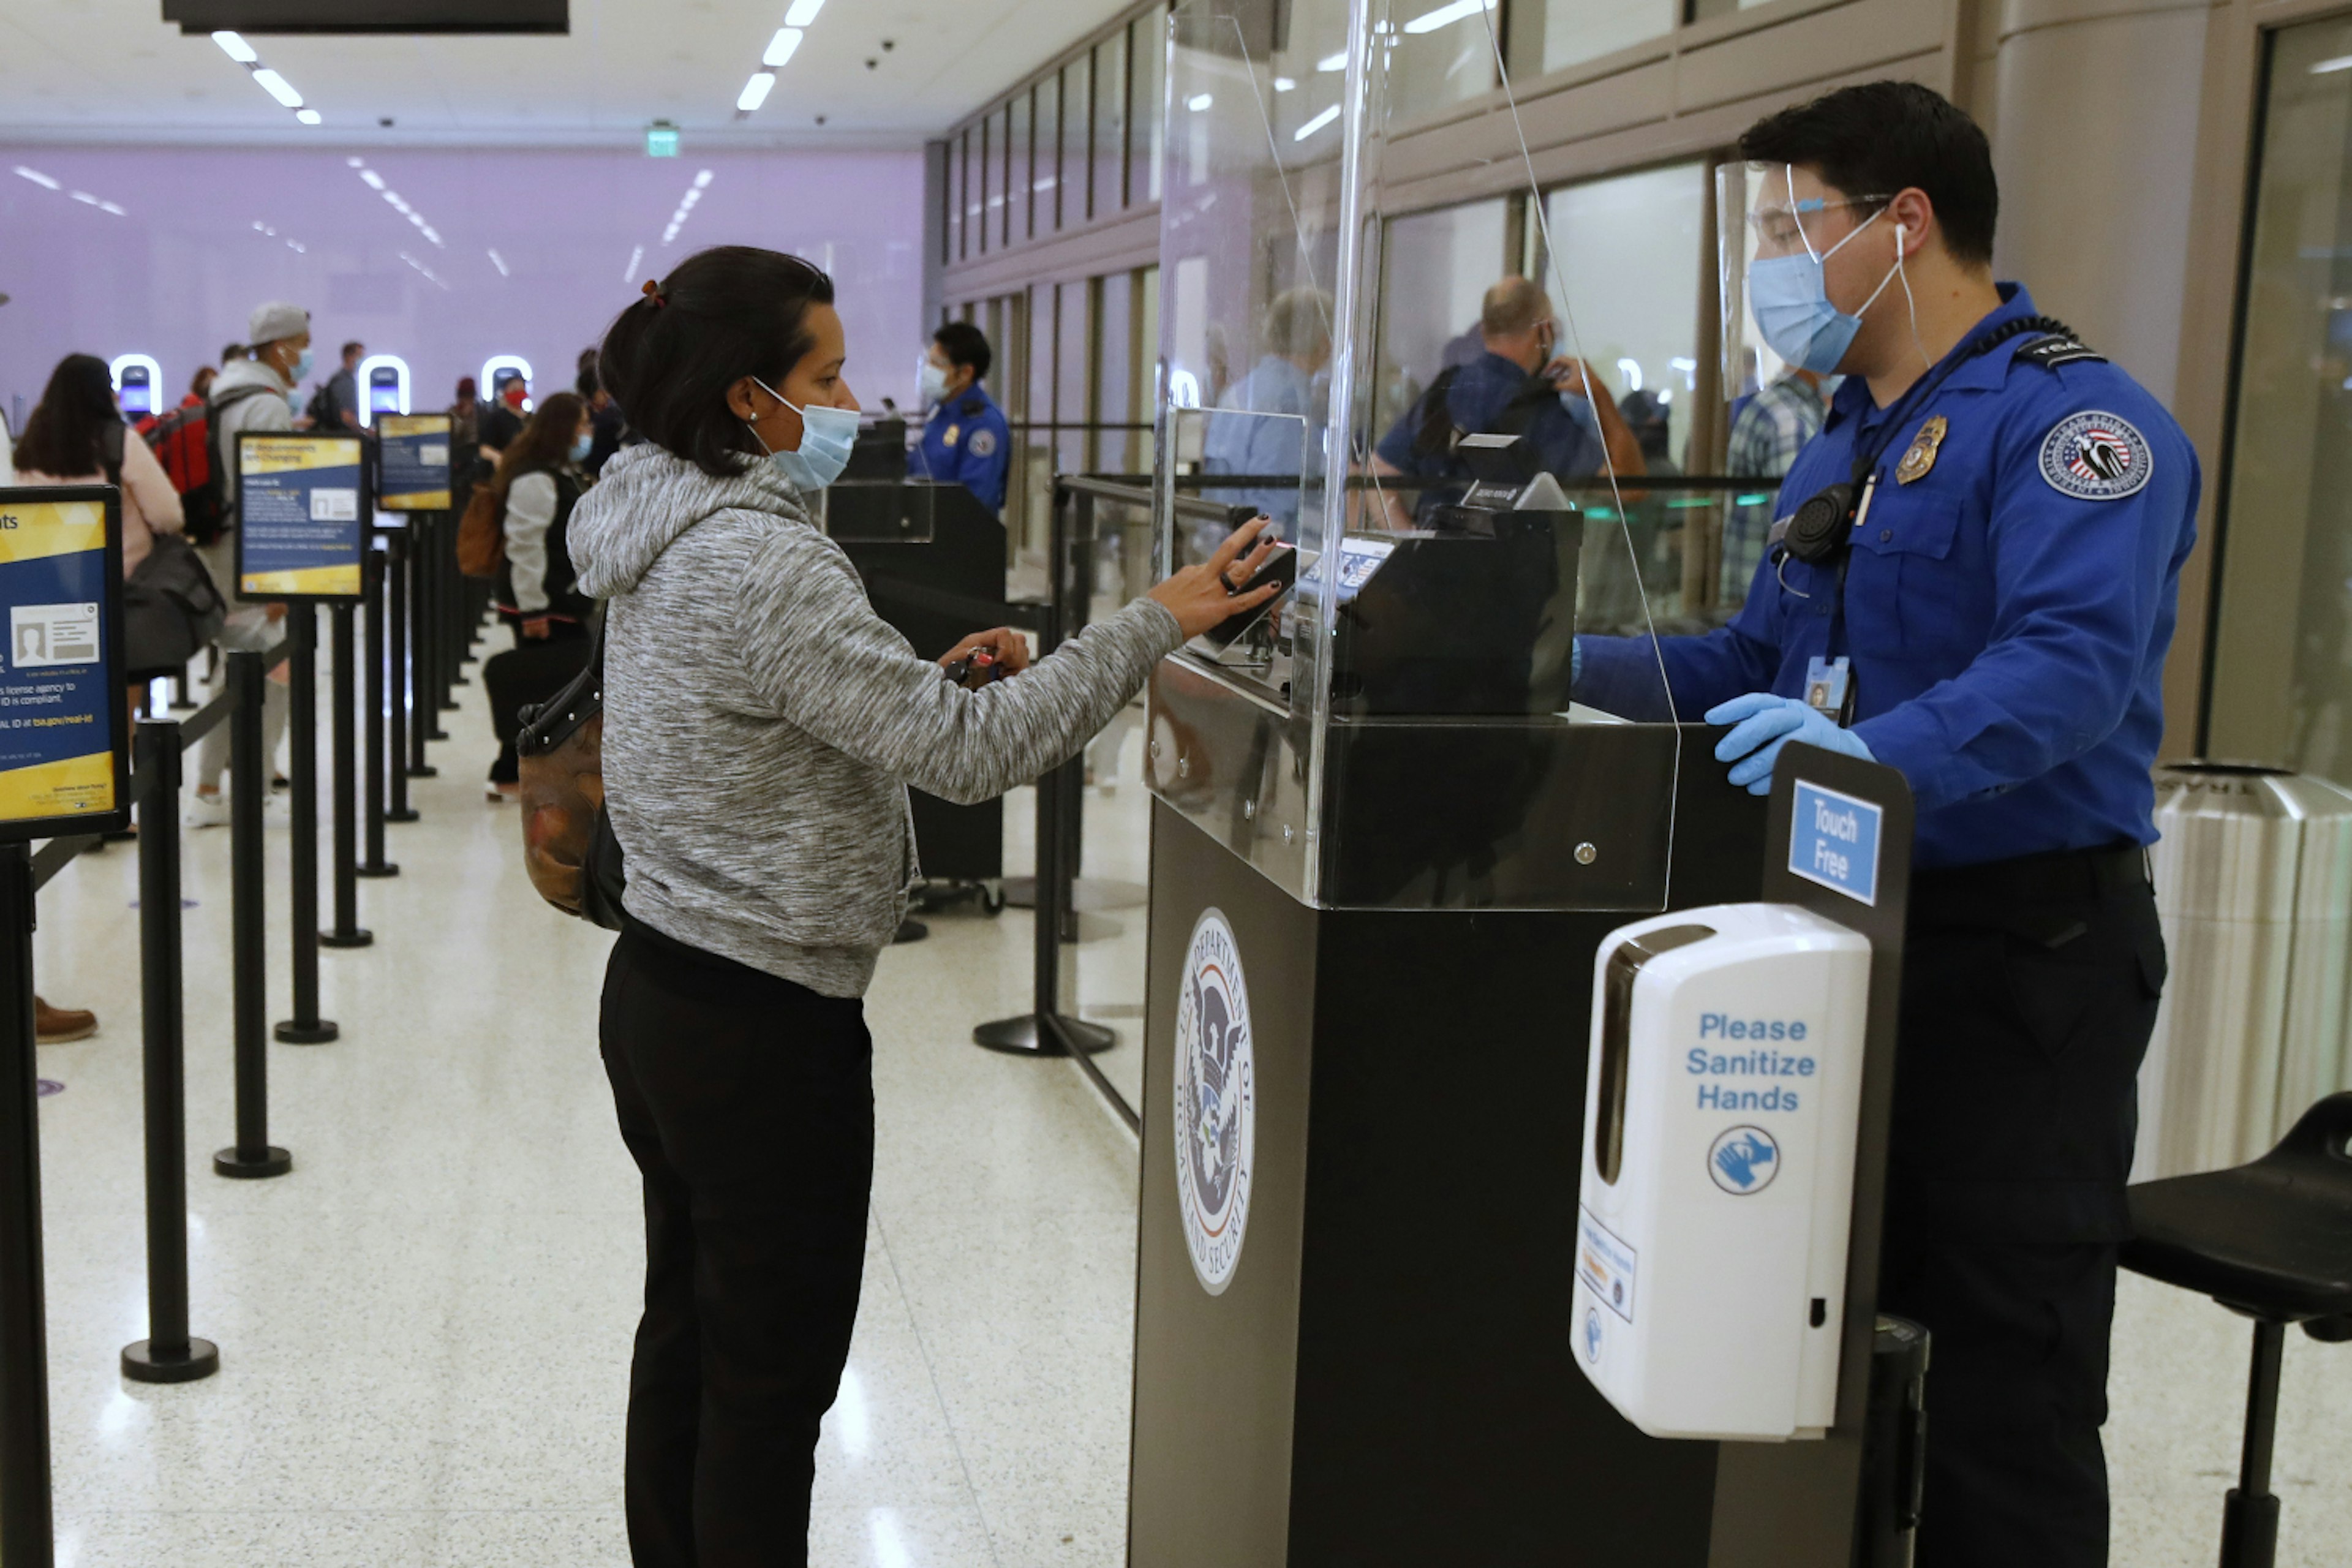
(171, 607)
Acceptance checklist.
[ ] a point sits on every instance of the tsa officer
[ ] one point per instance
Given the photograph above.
(965, 440)
(1985, 608)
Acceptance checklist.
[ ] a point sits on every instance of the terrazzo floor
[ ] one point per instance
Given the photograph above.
(425, 1329)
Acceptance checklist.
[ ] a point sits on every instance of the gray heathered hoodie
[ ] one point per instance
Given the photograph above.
(762, 723)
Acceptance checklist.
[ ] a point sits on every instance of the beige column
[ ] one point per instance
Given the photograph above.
(2094, 108)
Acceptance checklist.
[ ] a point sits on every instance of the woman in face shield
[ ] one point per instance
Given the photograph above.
(761, 726)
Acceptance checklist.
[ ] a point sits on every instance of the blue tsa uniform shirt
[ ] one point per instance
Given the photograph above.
(967, 443)
(2009, 600)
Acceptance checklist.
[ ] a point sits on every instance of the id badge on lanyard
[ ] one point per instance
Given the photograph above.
(1828, 687)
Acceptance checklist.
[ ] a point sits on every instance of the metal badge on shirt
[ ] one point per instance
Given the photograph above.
(948, 440)
(1921, 457)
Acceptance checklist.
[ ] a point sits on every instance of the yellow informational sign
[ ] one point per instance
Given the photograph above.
(301, 520)
(412, 462)
(61, 710)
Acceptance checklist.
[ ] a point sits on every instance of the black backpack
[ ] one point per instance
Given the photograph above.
(207, 507)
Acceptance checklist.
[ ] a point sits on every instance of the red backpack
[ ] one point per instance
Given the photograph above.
(181, 442)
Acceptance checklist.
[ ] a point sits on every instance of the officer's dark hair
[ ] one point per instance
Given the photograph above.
(723, 314)
(965, 345)
(1879, 138)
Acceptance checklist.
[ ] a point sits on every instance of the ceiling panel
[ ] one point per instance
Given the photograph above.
(111, 70)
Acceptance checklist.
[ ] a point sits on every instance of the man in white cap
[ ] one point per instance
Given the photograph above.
(254, 394)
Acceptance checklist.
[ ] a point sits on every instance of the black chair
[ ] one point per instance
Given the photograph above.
(2271, 1240)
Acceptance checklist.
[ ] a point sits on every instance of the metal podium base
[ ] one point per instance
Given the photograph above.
(275, 1161)
(1018, 1037)
(141, 1364)
(1088, 894)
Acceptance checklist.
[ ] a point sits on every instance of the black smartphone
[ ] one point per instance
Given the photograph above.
(1281, 567)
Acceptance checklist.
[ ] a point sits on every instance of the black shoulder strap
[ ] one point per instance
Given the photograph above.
(110, 450)
(1435, 436)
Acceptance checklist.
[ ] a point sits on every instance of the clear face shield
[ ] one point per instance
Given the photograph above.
(1776, 230)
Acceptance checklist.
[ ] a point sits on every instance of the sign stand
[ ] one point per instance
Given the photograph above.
(413, 484)
(65, 770)
(375, 865)
(305, 1028)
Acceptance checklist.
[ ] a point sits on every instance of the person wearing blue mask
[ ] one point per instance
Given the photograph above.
(965, 440)
(1272, 420)
(1973, 581)
(761, 726)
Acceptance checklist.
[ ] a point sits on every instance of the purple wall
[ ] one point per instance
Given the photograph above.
(175, 274)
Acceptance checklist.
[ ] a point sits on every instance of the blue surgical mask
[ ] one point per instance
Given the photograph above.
(302, 362)
(827, 434)
(933, 383)
(582, 446)
(1788, 295)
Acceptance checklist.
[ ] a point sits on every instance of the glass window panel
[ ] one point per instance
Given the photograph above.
(989, 198)
(951, 203)
(1071, 403)
(1077, 145)
(1443, 64)
(1037, 444)
(1116, 398)
(1552, 34)
(1629, 255)
(1149, 371)
(2282, 677)
(1047, 182)
(1436, 268)
(1148, 43)
(1110, 124)
(1705, 10)
(1020, 181)
(972, 196)
(1004, 187)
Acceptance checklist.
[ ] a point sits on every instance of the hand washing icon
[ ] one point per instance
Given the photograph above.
(1743, 1160)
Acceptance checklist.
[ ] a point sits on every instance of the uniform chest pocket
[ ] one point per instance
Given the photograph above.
(1914, 589)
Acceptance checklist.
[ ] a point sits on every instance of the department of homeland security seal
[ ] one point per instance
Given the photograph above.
(2096, 456)
(1216, 1101)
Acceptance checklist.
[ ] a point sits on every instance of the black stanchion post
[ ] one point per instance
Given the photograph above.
(424, 721)
(402, 676)
(249, 961)
(169, 1353)
(27, 1527)
(375, 865)
(457, 588)
(347, 932)
(305, 1028)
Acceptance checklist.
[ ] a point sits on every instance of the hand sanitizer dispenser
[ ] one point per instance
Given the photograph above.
(1720, 1109)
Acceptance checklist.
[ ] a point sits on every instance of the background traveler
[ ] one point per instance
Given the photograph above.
(252, 393)
(761, 726)
(74, 436)
(340, 407)
(538, 483)
(1516, 386)
(1771, 428)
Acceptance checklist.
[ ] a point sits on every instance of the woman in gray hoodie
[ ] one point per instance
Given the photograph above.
(761, 726)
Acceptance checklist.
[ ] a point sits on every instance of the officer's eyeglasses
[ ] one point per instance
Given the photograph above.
(1780, 230)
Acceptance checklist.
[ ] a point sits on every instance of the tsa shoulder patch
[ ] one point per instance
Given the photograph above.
(982, 442)
(2096, 456)
(2056, 350)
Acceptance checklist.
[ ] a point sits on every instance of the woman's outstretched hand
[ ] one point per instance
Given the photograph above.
(1201, 596)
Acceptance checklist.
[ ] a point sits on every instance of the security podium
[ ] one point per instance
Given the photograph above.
(1387, 840)
(934, 560)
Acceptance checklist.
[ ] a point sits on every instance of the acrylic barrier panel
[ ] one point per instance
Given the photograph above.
(1405, 729)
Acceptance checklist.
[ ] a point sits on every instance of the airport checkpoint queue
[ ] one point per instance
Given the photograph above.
(1705, 825)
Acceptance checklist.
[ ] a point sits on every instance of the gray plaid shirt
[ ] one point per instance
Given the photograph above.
(1764, 441)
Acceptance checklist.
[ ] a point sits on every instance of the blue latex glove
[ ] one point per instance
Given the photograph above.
(1762, 724)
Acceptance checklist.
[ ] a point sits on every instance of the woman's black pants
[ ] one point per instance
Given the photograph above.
(748, 1104)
